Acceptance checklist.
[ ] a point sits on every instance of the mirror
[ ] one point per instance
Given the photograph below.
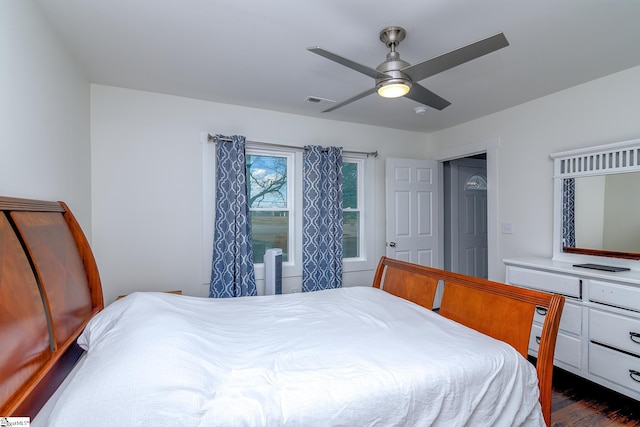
(596, 193)
(606, 215)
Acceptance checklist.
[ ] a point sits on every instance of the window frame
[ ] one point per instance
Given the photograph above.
(293, 266)
(365, 201)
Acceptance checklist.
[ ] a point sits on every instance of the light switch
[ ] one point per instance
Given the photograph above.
(507, 228)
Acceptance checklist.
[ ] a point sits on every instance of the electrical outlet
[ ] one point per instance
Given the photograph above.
(507, 228)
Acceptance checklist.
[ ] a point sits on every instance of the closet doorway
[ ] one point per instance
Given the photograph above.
(465, 215)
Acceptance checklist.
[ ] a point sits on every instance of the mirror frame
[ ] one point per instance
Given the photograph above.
(600, 160)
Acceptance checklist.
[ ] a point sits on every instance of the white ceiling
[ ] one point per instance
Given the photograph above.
(253, 52)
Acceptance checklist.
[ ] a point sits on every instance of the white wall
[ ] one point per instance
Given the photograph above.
(147, 180)
(44, 114)
(144, 156)
(598, 112)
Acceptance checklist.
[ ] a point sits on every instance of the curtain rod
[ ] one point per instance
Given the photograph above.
(213, 138)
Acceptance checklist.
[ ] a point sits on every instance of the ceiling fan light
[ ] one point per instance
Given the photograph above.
(393, 89)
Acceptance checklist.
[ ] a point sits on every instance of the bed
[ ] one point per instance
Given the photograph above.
(365, 355)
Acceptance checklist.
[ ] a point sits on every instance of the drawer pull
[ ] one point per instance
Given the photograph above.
(635, 375)
(541, 310)
(635, 337)
(538, 339)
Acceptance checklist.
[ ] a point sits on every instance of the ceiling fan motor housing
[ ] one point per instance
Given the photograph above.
(392, 69)
(391, 37)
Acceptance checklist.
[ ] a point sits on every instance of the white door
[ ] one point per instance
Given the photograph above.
(469, 231)
(412, 211)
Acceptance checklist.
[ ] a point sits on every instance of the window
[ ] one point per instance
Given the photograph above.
(351, 207)
(270, 202)
(274, 181)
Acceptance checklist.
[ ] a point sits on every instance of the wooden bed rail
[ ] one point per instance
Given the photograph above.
(501, 311)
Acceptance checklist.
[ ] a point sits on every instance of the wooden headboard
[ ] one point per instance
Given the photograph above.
(49, 289)
(501, 311)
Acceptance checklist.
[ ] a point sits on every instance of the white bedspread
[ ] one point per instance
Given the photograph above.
(343, 357)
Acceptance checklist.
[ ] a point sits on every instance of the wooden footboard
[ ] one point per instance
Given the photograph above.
(501, 311)
(412, 282)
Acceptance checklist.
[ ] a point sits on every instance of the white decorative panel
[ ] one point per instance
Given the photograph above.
(425, 257)
(482, 216)
(470, 215)
(403, 212)
(601, 160)
(402, 174)
(424, 175)
(484, 272)
(424, 219)
(469, 261)
(404, 256)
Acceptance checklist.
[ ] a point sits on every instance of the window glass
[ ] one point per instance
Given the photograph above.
(268, 204)
(351, 213)
(267, 181)
(269, 229)
(351, 236)
(349, 185)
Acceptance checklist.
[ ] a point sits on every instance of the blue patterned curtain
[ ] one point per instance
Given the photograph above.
(232, 273)
(568, 212)
(322, 218)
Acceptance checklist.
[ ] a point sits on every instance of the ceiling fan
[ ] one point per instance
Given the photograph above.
(395, 78)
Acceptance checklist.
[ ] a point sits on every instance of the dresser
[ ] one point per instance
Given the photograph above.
(599, 336)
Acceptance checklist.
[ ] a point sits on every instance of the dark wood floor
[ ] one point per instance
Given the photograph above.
(578, 402)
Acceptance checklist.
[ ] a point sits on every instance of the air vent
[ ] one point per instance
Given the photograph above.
(318, 100)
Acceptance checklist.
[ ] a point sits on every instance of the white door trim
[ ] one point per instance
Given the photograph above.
(491, 147)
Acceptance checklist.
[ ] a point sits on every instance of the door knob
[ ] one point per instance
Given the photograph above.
(392, 244)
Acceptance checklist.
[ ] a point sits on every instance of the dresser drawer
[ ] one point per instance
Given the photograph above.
(568, 348)
(616, 295)
(571, 320)
(614, 330)
(549, 282)
(615, 366)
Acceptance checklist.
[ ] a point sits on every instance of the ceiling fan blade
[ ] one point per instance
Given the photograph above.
(371, 72)
(350, 100)
(425, 96)
(456, 57)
